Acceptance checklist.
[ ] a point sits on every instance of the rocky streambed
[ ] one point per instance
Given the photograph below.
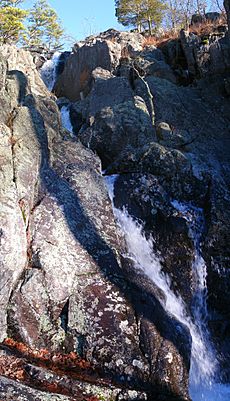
(114, 226)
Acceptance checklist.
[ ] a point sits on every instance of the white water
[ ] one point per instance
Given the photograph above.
(65, 119)
(48, 71)
(203, 359)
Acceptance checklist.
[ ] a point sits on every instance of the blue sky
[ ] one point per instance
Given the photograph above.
(82, 18)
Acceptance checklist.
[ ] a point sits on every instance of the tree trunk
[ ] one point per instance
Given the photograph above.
(150, 26)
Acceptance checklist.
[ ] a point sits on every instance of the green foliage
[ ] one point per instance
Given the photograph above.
(41, 28)
(140, 13)
(44, 27)
(10, 3)
(11, 23)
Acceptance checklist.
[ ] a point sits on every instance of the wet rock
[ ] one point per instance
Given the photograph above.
(147, 201)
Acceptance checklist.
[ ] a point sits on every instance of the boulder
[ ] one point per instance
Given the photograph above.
(118, 122)
(132, 42)
(152, 53)
(22, 60)
(75, 81)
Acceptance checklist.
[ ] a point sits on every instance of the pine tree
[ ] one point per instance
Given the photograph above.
(128, 13)
(11, 21)
(10, 3)
(140, 13)
(152, 13)
(44, 27)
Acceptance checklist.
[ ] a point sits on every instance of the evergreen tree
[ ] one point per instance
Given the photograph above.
(44, 27)
(11, 21)
(140, 13)
(10, 3)
(128, 13)
(152, 13)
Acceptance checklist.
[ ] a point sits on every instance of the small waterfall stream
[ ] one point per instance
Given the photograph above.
(65, 118)
(49, 76)
(204, 365)
(48, 71)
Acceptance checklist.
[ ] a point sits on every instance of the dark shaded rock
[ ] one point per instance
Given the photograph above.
(161, 70)
(173, 139)
(79, 114)
(227, 8)
(206, 55)
(118, 122)
(152, 53)
(212, 16)
(197, 19)
(61, 62)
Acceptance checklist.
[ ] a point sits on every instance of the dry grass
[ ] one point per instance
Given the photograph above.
(160, 40)
(207, 27)
(201, 29)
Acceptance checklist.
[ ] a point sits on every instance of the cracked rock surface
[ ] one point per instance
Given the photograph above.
(78, 322)
(65, 287)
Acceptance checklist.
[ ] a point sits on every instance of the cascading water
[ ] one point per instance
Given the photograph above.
(48, 71)
(203, 359)
(49, 76)
(65, 118)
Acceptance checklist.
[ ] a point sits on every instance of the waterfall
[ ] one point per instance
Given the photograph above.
(48, 71)
(65, 119)
(140, 249)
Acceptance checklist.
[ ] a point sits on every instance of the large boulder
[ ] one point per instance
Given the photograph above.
(75, 81)
(22, 60)
(104, 50)
(119, 122)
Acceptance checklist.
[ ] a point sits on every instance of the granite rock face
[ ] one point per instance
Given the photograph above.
(66, 284)
(78, 320)
(183, 142)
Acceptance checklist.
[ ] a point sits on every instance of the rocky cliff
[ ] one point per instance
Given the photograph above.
(79, 320)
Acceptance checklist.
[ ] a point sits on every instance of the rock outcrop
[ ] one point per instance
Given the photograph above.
(186, 150)
(78, 320)
(66, 289)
